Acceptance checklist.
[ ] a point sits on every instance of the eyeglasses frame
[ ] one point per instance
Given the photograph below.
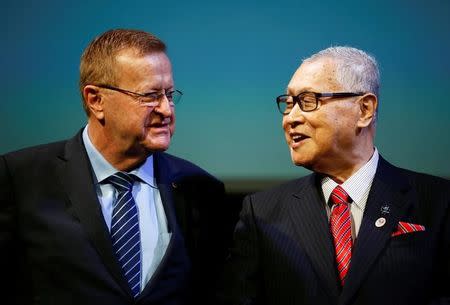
(144, 95)
(297, 100)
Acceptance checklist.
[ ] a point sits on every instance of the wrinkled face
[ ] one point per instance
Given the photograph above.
(320, 139)
(135, 127)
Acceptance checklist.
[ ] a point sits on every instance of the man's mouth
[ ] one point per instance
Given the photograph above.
(163, 124)
(158, 125)
(298, 137)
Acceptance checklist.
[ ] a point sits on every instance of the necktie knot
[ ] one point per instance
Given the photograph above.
(339, 196)
(123, 182)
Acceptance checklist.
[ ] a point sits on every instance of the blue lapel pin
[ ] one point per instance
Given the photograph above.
(385, 209)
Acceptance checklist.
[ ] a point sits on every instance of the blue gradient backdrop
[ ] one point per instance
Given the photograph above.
(231, 59)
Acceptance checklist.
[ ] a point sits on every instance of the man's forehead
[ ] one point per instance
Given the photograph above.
(144, 72)
(131, 56)
(318, 67)
(316, 76)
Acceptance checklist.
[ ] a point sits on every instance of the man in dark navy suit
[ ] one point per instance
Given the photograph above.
(358, 230)
(107, 217)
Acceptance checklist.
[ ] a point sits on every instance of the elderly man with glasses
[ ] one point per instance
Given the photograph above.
(107, 217)
(358, 230)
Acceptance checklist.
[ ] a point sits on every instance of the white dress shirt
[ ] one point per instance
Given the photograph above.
(357, 187)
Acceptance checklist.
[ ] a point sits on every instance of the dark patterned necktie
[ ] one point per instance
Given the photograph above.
(341, 230)
(125, 234)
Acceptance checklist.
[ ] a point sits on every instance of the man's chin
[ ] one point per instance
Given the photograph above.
(301, 164)
(301, 161)
(155, 146)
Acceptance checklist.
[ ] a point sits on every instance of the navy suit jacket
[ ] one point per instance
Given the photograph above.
(55, 246)
(283, 251)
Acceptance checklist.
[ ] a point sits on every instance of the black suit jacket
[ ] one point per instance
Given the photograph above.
(284, 254)
(55, 246)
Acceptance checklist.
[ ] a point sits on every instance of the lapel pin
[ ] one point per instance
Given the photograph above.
(385, 209)
(380, 222)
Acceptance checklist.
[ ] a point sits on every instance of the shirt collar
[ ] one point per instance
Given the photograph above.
(358, 183)
(103, 169)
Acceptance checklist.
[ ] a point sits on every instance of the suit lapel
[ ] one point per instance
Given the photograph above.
(306, 208)
(389, 189)
(76, 177)
(163, 177)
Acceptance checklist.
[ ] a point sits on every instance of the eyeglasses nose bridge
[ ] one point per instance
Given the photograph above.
(297, 102)
(296, 115)
(163, 95)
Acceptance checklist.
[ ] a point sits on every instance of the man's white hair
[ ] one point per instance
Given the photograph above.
(356, 70)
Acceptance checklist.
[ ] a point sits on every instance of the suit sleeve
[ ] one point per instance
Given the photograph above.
(201, 212)
(8, 249)
(442, 289)
(240, 281)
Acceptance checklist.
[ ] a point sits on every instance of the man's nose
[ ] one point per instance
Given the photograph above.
(295, 115)
(164, 107)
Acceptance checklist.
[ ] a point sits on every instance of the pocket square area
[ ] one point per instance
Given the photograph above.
(406, 227)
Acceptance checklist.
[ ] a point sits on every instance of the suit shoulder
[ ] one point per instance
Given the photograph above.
(405, 178)
(425, 181)
(430, 186)
(282, 189)
(183, 169)
(31, 154)
(182, 164)
(276, 195)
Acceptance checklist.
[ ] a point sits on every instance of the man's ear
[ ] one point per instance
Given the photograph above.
(368, 108)
(94, 101)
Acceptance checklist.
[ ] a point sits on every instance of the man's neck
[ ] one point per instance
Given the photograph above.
(121, 158)
(343, 169)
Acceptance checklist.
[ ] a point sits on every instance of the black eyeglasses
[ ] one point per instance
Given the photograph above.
(151, 99)
(308, 101)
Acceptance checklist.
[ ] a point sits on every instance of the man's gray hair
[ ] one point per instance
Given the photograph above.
(356, 70)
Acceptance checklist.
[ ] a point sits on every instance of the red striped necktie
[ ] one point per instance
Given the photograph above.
(341, 230)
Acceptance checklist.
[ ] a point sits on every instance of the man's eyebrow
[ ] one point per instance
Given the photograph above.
(158, 90)
(292, 91)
